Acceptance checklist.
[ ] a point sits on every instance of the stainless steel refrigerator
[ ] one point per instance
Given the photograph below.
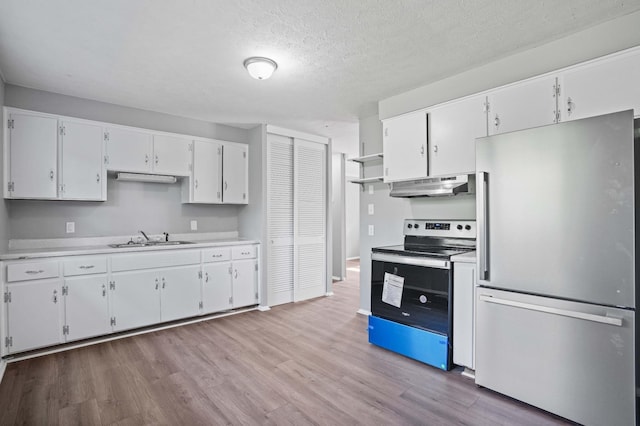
(557, 217)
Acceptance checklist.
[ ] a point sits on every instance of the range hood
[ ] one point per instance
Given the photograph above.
(435, 187)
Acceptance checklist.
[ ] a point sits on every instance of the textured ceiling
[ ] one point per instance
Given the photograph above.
(336, 58)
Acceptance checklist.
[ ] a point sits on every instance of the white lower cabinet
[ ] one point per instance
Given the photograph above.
(463, 314)
(135, 296)
(64, 299)
(34, 314)
(86, 306)
(216, 287)
(180, 295)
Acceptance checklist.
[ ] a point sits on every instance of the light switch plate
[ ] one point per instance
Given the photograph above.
(371, 230)
(194, 225)
(370, 209)
(71, 227)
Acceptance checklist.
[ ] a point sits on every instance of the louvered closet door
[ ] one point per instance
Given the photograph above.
(280, 219)
(310, 227)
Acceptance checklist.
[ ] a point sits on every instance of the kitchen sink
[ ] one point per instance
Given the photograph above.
(149, 244)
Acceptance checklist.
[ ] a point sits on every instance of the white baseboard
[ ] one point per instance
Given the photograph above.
(363, 312)
(329, 293)
(264, 308)
(3, 368)
(353, 258)
(337, 278)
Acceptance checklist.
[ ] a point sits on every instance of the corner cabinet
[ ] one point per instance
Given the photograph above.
(64, 299)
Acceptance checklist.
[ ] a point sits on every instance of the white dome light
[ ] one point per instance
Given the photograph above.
(260, 68)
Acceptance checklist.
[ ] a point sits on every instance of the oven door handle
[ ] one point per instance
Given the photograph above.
(410, 260)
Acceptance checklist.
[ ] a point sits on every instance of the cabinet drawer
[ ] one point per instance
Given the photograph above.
(84, 266)
(244, 252)
(129, 262)
(32, 271)
(217, 254)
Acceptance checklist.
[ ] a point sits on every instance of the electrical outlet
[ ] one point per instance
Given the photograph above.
(194, 225)
(370, 189)
(370, 209)
(71, 227)
(371, 230)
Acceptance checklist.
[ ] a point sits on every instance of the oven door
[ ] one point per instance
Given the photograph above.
(426, 291)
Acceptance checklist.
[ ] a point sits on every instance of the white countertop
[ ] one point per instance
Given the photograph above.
(469, 257)
(31, 253)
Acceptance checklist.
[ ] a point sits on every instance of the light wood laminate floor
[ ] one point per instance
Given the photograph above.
(302, 363)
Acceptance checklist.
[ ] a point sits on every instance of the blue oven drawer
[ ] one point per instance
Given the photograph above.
(421, 345)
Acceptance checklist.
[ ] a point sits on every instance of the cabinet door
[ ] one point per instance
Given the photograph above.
(34, 314)
(135, 299)
(602, 87)
(207, 172)
(463, 313)
(245, 283)
(82, 162)
(171, 155)
(235, 174)
(522, 106)
(181, 294)
(454, 129)
(128, 151)
(33, 156)
(216, 287)
(86, 307)
(405, 147)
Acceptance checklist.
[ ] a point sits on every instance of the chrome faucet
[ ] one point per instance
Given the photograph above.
(144, 235)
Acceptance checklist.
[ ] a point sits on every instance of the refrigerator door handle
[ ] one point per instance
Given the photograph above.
(547, 309)
(483, 224)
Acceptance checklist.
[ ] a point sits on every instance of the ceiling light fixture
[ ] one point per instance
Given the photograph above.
(260, 68)
(140, 177)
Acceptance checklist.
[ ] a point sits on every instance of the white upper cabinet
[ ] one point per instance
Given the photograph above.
(206, 184)
(31, 160)
(531, 103)
(405, 147)
(171, 155)
(82, 166)
(601, 87)
(454, 128)
(128, 150)
(235, 173)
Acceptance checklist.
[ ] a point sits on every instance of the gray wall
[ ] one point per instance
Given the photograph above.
(609, 37)
(389, 212)
(130, 206)
(338, 215)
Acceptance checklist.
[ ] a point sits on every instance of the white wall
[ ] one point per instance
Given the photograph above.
(130, 206)
(338, 215)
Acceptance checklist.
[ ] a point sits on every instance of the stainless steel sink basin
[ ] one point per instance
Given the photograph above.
(150, 244)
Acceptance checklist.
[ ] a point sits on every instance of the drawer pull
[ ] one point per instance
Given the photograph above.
(33, 272)
(87, 266)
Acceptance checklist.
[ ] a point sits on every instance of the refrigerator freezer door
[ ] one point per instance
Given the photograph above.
(572, 359)
(556, 210)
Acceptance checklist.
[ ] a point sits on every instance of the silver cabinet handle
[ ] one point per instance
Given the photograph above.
(556, 311)
(97, 177)
(157, 283)
(422, 150)
(55, 296)
(206, 277)
(235, 274)
(482, 220)
(33, 272)
(496, 121)
(87, 266)
(196, 183)
(104, 290)
(146, 159)
(570, 106)
(163, 283)
(435, 149)
(156, 158)
(51, 174)
(386, 131)
(225, 185)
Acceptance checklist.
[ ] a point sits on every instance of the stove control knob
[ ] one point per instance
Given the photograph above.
(459, 227)
(415, 225)
(410, 226)
(467, 227)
